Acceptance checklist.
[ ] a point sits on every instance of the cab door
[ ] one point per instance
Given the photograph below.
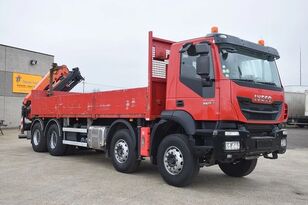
(191, 93)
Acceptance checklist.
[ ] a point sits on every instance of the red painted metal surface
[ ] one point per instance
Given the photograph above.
(145, 142)
(131, 103)
(158, 52)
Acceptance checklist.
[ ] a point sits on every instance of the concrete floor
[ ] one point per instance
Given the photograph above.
(86, 177)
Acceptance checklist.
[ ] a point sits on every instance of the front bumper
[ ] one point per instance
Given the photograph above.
(250, 145)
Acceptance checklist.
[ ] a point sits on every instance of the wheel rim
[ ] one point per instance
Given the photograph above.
(36, 137)
(53, 140)
(121, 151)
(173, 160)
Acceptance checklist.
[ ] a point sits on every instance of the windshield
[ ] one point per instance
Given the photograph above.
(241, 67)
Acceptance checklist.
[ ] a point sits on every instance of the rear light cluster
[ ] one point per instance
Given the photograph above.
(285, 114)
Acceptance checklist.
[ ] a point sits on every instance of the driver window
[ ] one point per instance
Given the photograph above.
(189, 76)
(188, 67)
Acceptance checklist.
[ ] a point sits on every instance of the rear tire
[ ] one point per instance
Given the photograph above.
(123, 152)
(38, 140)
(54, 141)
(175, 160)
(239, 169)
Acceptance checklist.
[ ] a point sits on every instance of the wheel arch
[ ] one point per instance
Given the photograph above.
(117, 125)
(181, 117)
(171, 122)
(37, 120)
(53, 121)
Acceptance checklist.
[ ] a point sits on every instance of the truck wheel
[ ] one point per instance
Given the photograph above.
(123, 152)
(238, 169)
(38, 140)
(54, 141)
(175, 160)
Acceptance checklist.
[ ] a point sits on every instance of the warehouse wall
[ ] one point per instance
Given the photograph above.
(2, 57)
(2, 108)
(17, 60)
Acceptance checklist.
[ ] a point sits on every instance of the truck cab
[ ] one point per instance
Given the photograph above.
(227, 94)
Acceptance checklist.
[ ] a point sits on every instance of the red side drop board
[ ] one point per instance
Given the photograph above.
(131, 103)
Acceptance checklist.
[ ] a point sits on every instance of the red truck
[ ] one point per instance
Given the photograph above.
(211, 100)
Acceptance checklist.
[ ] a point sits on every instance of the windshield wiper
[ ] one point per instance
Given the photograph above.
(239, 71)
(267, 83)
(250, 80)
(243, 79)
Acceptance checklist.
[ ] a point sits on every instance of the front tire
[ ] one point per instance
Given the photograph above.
(238, 169)
(54, 141)
(123, 152)
(175, 160)
(38, 140)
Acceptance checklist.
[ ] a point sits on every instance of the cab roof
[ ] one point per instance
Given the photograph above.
(224, 39)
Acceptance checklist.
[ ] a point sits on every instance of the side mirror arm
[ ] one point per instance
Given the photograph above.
(206, 81)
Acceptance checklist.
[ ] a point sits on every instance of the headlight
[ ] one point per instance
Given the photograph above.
(283, 142)
(285, 132)
(232, 145)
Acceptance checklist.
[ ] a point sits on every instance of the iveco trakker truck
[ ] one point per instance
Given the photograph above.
(213, 100)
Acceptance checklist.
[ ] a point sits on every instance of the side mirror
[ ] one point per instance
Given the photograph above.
(202, 48)
(193, 50)
(203, 61)
(203, 65)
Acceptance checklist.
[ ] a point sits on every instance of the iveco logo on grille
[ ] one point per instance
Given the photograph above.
(262, 99)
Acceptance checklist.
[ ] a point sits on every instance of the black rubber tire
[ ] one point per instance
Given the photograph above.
(191, 165)
(60, 148)
(42, 144)
(239, 169)
(132, 163)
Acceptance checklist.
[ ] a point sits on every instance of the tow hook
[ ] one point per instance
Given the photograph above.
(274, 156)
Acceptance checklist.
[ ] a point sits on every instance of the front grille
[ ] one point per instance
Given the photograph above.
(256, 111)
(263, 144)
(259, 129)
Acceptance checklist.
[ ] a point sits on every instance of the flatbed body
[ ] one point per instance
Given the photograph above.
(126, 103)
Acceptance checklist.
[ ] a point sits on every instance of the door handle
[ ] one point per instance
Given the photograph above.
(180, 103)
